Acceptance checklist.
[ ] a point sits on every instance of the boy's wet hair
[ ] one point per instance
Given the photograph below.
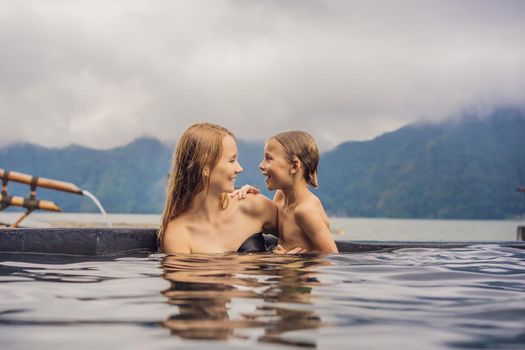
(301, 146)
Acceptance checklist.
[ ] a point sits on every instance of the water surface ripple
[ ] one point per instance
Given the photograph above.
(460, 298)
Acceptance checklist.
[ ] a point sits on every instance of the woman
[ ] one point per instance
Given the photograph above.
(199, 216)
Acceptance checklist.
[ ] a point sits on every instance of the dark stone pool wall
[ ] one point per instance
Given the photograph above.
(114, 241)
(77, 241)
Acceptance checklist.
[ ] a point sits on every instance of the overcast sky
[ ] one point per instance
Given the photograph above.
(101, 73)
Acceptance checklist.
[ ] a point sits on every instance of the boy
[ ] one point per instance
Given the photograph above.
(290, 166)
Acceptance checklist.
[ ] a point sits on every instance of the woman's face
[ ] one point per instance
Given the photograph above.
(275, 166)
(223, 175)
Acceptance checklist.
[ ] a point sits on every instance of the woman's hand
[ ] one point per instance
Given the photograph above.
(280, 250)
(244, 190)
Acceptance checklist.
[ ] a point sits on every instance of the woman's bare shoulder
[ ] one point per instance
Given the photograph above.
(176, 238)
(256, 204)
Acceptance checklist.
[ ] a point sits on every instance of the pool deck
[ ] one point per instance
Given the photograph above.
(115, 241)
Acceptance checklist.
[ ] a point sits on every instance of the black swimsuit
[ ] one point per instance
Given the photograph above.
(257, 243)
(254, 244)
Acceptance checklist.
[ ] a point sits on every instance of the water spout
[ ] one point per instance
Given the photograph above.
(97, 203)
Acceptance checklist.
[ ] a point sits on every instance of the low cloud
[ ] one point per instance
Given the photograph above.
(101, 73)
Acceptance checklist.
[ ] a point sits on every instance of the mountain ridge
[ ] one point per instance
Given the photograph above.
(465, 168)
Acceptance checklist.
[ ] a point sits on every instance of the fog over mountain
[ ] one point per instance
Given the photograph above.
(102, 73)
(466, 168)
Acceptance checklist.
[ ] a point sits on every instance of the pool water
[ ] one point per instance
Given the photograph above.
(407, 298)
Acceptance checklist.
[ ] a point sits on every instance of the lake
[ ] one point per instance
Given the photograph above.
(343, 228)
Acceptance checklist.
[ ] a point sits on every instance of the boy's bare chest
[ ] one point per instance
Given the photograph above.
(290, 234)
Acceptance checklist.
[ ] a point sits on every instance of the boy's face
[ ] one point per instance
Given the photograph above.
(275, 166)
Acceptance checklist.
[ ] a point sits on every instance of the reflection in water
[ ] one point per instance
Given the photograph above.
(278, 287)
(464, 298)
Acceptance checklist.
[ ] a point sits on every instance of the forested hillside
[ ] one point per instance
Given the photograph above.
(466, 168)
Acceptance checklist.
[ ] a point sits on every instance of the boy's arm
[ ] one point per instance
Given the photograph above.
(310, 221)
(271, 214)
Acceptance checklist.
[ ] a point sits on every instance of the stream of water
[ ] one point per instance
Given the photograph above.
(97, 203)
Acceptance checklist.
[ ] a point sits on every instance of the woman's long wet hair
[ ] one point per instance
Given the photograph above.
(200, 146)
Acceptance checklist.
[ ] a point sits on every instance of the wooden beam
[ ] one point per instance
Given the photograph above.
(41, 182)
(30, 203)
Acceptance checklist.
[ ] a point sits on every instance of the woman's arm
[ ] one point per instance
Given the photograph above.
(262, 208)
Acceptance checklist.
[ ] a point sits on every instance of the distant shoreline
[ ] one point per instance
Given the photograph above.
(347, 228)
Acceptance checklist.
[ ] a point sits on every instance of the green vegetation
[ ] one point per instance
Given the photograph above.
(467, 168)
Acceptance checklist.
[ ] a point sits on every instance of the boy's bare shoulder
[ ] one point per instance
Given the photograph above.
(310, 208)
(311, 203)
